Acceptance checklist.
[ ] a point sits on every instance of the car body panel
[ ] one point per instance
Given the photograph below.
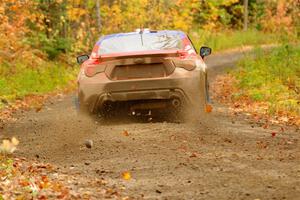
(143, 75)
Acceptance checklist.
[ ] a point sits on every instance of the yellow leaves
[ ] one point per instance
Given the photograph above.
(229, 2)
(15, 141)
(74, 2)
(126, 175)
(9, 146)
(179, 2)
(13, 17)
(2, 10)
(75, 13)
(113, 20)
(14, 8)
(298, 122)
(62, 19)
(280, 18)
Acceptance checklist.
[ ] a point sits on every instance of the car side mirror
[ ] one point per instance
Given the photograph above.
(82, 58)
(205, 51)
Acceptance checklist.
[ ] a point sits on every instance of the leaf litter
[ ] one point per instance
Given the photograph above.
(223, 91)
(27, 179)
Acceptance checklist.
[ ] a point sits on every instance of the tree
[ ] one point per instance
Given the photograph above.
(98, 15)
(245, 15)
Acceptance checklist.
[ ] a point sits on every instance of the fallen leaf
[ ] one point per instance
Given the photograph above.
(228, 140)
(63, 194)
(8, 146)
(208, 108)
(158, 191)
(38, 109)
(126, 176)
(15, 141)
(125, 133)
(265, 126)
(194, 155)
(172, 137)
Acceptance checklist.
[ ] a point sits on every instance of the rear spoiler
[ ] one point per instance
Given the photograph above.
(164, 53)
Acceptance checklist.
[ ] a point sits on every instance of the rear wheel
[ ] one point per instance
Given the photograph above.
(108, 110)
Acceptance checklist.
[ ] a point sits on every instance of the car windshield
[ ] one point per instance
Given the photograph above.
(141, 42)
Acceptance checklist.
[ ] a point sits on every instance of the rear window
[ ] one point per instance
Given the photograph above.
(141, 42)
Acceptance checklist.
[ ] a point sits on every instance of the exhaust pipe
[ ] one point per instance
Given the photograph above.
(176, 103)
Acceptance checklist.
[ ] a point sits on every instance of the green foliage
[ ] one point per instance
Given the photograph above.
(56, 46)
(220, 13)
(34, 32)
(273, 77)
(6, 165)
(230, 39)
(51, 46)
(24, 80)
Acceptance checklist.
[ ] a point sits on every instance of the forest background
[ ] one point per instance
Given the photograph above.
(39, 39)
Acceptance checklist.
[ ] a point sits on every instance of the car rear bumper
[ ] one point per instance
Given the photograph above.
(187, 86)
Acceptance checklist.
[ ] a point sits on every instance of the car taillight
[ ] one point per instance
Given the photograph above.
(95, 51)
(188, 64)
(94, 68)
(182, 54)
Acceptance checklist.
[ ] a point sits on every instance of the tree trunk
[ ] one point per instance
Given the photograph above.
(245, 15)
(98, 17)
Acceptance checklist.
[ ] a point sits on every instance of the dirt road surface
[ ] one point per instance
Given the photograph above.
(221, 157)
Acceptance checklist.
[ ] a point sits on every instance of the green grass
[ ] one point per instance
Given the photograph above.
(272, 77)
(231, 39)
(20, 80)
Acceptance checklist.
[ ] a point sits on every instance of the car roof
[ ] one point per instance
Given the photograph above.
(160, 32)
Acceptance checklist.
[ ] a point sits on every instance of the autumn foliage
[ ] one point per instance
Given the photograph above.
(39, 39)
(31, 30)
(266, 87)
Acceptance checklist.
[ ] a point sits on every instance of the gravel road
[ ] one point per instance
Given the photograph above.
(221, 157)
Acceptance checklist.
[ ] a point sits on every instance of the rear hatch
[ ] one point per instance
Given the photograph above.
(140, 65)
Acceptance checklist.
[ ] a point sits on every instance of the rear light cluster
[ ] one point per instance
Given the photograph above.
(93, 68)
(182, 54)
(186, 64)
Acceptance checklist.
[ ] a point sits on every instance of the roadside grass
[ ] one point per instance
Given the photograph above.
(272, 77)
(228, 39)
(20, 80)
